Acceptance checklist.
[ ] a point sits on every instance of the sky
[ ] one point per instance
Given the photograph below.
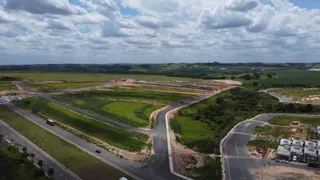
(158, 31)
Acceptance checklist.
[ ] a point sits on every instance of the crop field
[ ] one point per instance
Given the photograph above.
(293, 77)
(84, 165)
(7, 86)
(86, 77)
(132, 113)
(129, 94)
(297, 93)
(118, 137)
(59, 86)
(283, 120)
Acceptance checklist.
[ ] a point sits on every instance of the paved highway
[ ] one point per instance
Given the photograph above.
(237, 161)
(281, 98)
(61, 172)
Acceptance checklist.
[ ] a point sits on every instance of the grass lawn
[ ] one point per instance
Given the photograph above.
(297, 93)
(58, 86)
(118, 137)
(280, 132)
(7, 86)
(81, 77)
(284, 120)
(192, 132)
(131, 113)
(270, 144)
(13, 165)
(79, 162)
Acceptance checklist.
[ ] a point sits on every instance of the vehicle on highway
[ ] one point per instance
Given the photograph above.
(50, 122)
(98, 151)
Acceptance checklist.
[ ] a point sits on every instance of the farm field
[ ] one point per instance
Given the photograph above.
(59, 86)
(129, 94)
(84, 165)
(114, 136)
(11, 168)
(7, 86)
(283, 120)
(297, 93)
(86, 77)
(281, 132)
(293, 77)
(132, 113)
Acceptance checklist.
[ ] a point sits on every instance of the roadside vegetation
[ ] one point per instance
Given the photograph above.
(271, 144)
(84, 165)
(7, 86)
(128, 94)
(114, 136)
(281, 132)
(223, 111)
(16, 165)
(167, 88)
(297, 93)
(210, 170)
(286, 121)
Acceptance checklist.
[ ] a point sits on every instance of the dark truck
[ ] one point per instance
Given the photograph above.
(50, 122)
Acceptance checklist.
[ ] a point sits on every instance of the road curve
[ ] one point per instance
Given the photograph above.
(236, 160)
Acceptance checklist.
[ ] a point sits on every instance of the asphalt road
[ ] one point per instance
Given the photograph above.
(281, 98)
(61, 172)
(237, 161)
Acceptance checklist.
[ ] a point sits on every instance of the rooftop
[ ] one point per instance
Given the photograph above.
(296, 142)
(285, 142)
(310, 144)
(296, 149)
(310, 151)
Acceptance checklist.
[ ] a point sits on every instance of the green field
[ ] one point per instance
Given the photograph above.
(279, 132)
(270, 144)
(58, 86)
(297, 93)
(84, 165)
(194, 134)
(284, 120)
(14, 165)
(128, 94)
(293, 77)
(7, 86)
(118, 137)
(86, 77)
(131, 113)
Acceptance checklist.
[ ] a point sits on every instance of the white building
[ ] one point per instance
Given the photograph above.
(283, 153)
(318, 130)
(310, 154)
(296, 151)
(310, 144)
(285, 142)
(297, 143)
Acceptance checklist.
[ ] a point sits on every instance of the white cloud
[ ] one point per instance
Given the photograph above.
(241, 5)
(45, 6)
(220, 18)
(148, 21)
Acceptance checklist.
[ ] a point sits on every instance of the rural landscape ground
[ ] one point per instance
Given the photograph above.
(205, 121)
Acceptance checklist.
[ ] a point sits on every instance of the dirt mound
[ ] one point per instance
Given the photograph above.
(8, 78)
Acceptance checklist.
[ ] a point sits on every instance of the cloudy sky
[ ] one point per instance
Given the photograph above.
(159, 31)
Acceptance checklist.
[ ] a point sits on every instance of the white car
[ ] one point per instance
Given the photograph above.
(294, 158)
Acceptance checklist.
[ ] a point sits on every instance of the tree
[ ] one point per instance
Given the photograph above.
(256, 75)
(269, 75)
(24, 149)
(1, 137)
(40, 163)
(50, 171)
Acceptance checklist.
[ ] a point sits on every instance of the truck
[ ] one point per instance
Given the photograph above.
(50, 122)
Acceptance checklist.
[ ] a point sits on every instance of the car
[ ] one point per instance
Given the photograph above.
(294, 158)
(98, 151)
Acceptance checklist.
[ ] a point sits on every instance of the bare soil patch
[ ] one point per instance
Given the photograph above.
(284, 173)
